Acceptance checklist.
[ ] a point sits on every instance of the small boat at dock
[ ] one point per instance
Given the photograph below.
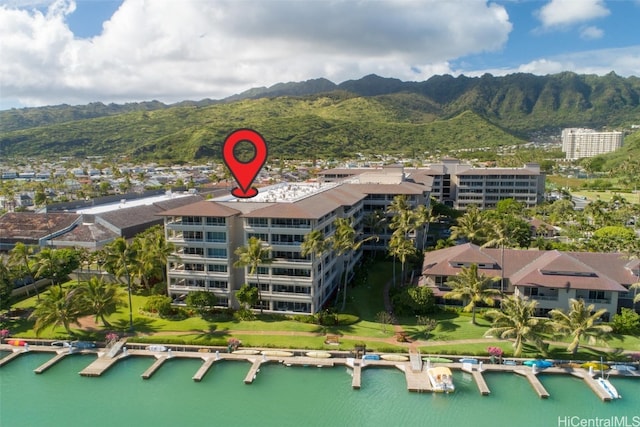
(441, 379)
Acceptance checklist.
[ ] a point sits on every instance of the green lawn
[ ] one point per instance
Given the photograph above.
(365, 300)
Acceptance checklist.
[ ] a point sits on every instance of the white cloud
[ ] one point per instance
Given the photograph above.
(624, 61)
(191, 49)
(562, 13)
(591, 33)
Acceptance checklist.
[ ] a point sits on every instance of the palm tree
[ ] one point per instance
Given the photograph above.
(6, 284)
(20, 256)
(470, 226)
(153, 252)
(46, 262)
(425, 217)
(120, 259)
(498, 237)
(253, 255)
(58, 307)
(472, 288)
(579, 322)
(344, 242)
(402, 248)
(100, 298)
(516, 320)
(316, 245)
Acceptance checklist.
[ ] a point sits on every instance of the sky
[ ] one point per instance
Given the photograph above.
(80, 51)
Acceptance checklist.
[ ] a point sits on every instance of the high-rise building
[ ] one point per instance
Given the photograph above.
(579, 143)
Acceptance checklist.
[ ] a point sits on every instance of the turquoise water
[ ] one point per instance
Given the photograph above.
(286, 396)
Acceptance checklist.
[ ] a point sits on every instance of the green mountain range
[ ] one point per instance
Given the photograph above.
(317, 118)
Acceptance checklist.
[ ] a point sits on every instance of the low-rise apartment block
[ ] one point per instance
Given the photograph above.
(206, 235)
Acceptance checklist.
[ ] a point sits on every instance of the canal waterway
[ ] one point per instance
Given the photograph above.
(290, 396)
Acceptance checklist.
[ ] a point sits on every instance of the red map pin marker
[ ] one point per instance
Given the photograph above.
(244, 172)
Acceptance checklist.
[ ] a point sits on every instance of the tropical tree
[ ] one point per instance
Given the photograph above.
(402, 248)
(46, 265)
(471, 226)
(6, 284)
(247, 296)
(425, 216)
(516, 321)
(120, 260)
(58, 307)
(253, 255)
(581, 321)
(20, 256)
(100, 298)
(472, 288)
(345, 241)
(153, 251)
(316, 245)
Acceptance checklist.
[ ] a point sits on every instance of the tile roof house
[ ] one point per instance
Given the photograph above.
(549, 277)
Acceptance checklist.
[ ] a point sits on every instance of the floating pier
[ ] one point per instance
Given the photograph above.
(255, 367)
(417, 379)
(356, 381)
(203, 369)
(9, 357)
(153, 368)
(535, 382)
(599, 391)
(481, 383)
(49, 363)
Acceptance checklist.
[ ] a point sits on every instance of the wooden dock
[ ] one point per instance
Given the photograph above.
(481, 383)
(49, 363)
(417, 381)
(9, 357)
(99, 366)
(599, 391)
(535, 382)
(356, 381)
(153, 368)
(208, 362)
(253, 372)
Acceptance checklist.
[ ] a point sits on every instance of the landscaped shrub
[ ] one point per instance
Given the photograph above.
(159, 304)
(347, 319)
(626, 322)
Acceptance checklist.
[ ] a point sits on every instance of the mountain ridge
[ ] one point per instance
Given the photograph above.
(372, 109)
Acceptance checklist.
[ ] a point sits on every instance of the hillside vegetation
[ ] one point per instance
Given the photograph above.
(319, 118)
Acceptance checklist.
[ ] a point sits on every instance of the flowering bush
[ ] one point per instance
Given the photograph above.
(495, 351)
(111, 337)
(635, 357)
(4, 333)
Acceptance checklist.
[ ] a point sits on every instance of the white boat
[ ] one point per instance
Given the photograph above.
(608, 387)
(623, 367)
(156, 347)
(441, 379)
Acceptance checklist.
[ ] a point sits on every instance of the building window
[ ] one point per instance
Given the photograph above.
(216, 221)
(295, 272)
(192, 236)
(216, 236)
(216, 252)
(290, 223)
(217, 268)
(193, 251)
(258, 222)
(262, 236)
(191, 220)
(218, 284)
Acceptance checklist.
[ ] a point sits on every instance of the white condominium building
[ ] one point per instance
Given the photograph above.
(460, 185)
(206, 235)
(579, 143)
